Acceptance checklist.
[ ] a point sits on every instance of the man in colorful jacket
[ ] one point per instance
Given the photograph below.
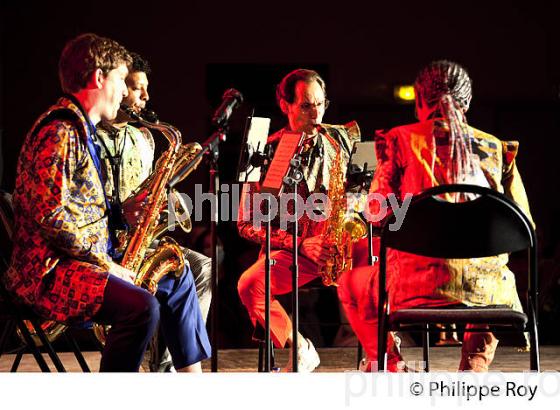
(61, 263)
(302, 98)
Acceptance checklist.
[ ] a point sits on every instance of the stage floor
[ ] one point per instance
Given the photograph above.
(507, 359)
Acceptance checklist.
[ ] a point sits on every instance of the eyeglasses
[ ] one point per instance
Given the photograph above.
(306, 107)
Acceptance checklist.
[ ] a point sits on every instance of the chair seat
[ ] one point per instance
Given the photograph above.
(479, 315)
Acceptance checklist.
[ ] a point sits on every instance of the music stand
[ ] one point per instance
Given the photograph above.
(285, 170)
(253, 161)
(361, 168)
(255, 155)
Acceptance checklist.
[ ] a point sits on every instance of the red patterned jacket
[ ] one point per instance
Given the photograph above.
(411, 160)
(59, 262)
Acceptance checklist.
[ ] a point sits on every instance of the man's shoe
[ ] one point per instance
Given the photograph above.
(308, 358)
(398, 366)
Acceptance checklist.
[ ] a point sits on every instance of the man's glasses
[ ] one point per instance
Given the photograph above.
(306, 107)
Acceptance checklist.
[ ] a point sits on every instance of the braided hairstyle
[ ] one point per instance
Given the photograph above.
(446, 88)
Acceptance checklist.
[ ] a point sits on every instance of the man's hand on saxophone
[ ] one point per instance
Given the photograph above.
(133, 207)
(121, 272)
(317, 249)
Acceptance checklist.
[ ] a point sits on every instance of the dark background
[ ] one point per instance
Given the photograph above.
(198, 49)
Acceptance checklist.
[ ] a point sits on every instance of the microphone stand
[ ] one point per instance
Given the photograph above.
(230, 100)
(360, 178)
(214, 189)
(211, 148)
(262, 160)
(365, 182)
(267, 267)
(268, 263)
(259, 159)
(292, 179)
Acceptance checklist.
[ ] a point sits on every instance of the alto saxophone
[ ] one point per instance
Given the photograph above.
(342, 228)
(167, 257)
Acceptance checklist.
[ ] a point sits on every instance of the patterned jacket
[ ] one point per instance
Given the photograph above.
(406, 164)
(316, 170)
(59, 261)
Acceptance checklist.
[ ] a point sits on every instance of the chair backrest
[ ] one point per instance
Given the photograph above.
(6, 228)
(488, 225)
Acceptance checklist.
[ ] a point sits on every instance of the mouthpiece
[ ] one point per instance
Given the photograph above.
(144, 115)
(130, 112)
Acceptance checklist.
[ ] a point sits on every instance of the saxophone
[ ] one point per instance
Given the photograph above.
(168, 257)
(149, 224)
(343, 227)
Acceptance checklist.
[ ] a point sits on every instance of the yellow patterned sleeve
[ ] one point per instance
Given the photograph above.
(48, 179)
(511, 178)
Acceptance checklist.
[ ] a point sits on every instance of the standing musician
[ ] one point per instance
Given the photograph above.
(301, 96)
(61, 264)
(127, 154)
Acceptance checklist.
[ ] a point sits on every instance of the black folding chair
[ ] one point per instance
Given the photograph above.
(489, 225)
(17, 317)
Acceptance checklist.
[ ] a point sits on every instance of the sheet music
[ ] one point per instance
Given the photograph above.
(358, 178)
(256, 142)
(364, 153)
(287, 148)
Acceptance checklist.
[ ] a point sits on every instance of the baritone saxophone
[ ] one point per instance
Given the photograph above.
(152, 221)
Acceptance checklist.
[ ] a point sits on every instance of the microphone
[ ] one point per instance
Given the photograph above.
(230, 100)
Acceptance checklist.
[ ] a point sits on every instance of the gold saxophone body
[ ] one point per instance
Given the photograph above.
(342, 228)
(149, 224)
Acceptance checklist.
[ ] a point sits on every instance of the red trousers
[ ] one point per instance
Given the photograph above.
(477, 351)
(251, 291)
(251, 288)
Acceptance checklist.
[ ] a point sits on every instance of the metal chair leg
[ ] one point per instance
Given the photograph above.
(33, 348)
(17, 360)
(48, 346)
(426, 347)
(382, 346)
(359, 355)
(533, 337)
(77, 353)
